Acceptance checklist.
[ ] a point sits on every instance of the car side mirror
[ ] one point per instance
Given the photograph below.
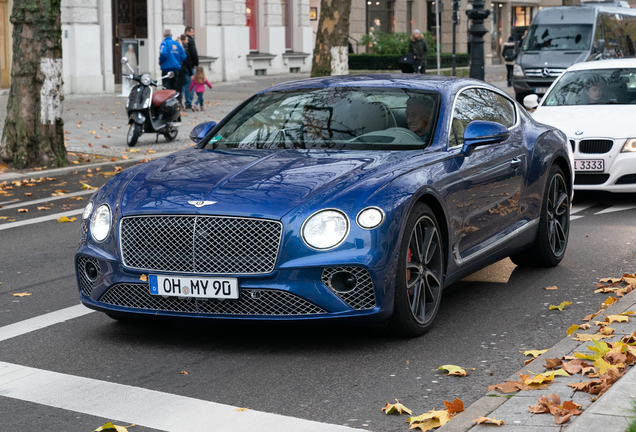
(124, 60)
(201, 130)
(170, 74)
(600, 45)
(479, 132)
(531, 102)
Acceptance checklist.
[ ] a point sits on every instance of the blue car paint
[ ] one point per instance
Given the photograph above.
(275, 185)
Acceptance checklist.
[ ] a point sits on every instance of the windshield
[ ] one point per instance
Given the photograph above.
(334, 118)
(590, 87)
(550, 37)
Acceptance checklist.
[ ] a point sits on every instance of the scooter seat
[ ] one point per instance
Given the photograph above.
(160, 96)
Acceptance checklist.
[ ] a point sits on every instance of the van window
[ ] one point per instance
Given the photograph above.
(594, 87)
(550, 37)
(618, 32)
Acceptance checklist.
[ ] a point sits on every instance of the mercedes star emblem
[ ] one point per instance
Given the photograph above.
(198, 204)
(578, 133)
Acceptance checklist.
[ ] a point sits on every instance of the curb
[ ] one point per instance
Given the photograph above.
(488, 404)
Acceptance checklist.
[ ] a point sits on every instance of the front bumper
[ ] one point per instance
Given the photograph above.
(619, 174)
(290, 294)
(525, 86)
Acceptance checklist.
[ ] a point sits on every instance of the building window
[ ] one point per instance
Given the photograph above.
(409, 16)
(496, 33)
(251, 17)
(380, 16)
(431, 21)
(521, 16)
(286, 8)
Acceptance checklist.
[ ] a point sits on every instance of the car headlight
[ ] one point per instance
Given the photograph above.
(629, 146)
(325, 229)
(145, 79)
(517, 71)
(370, 217)
(88, 210)
(100, 223)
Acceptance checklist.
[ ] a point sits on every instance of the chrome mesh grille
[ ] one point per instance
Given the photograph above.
(200, 244)
(252, 302)
(362, 296)
(85, 283)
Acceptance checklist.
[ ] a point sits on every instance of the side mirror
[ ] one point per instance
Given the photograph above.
(479, 132)
(124, 60)
(201, 130)
(600, 45)
(170, 74)
(531, 102)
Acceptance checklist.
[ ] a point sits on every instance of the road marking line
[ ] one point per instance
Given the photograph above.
(39, 322)
(577, 208)
(149, 408)
(40, 219)
(615, 209)
(575, 217)
(42, 200)
(9, 202)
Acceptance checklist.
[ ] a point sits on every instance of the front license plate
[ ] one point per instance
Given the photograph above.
(199, 287)
(541, 90)
(589, 165)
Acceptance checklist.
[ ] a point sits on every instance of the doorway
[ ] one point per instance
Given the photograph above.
(130, 21)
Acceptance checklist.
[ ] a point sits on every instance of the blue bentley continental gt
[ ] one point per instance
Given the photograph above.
(353, 199)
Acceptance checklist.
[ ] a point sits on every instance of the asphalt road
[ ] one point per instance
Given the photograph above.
(339, 375)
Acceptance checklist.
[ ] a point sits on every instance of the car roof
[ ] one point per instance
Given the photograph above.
(604, 64)
(443, 84)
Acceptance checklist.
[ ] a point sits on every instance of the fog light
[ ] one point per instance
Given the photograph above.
(91, 271)
(343, 282)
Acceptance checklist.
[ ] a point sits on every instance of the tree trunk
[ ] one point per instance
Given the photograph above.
(33, 132)
(331, 54)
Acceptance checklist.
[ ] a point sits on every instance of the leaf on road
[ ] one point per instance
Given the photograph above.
(23, 294)
(560, 306)
(589, 317)
(87, 186)
(552, 288)
(604, 367)
(552, 363)
(183, 373)
(616, 318)
(552, 404)
(493, 420)
(454, 407)
(241, 409)
(66, 219)
(584, 385)
(44, 208)
(111, 427)
(606, 330)
(575, 366)
(396, 408)
(533, 353)
(454, 370)
(143, 278)
(23, 210)
(588, 337)
(572, 329)
(442, 416)
(77, 198)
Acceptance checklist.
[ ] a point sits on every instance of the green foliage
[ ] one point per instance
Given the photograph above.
(393, 43)
(390, 62)
(632, 426)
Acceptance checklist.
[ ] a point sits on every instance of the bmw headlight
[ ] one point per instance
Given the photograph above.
(370, 217)
(325, 229)
(88, 210)
(146, 80)
(517, 71)
(100, 223)
(630, 146)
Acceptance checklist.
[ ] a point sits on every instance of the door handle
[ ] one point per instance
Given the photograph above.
(515, 162)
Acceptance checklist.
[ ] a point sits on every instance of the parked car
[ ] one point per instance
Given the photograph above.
(595, 105)
(559, 37)
(344, 198)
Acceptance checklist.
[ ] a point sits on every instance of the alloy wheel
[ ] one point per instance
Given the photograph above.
(558, 218)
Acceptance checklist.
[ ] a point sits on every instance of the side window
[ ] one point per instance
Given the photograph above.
(479, 104)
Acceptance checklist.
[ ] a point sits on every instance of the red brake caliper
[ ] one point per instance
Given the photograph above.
(409, 257)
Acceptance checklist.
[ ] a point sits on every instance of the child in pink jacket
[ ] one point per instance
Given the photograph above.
(198, 83)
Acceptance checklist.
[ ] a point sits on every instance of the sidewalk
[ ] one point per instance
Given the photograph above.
(612, 412)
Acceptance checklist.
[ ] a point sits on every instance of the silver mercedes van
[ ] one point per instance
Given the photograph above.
(560, 36)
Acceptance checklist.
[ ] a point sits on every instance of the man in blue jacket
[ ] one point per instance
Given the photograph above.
(171, 55)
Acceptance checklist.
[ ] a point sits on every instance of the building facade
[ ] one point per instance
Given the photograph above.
(234, 38)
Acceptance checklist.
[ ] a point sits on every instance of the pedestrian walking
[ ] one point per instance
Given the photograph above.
(419, 49)
(193, 60)
(185, 71)
(198, 84)
(508, 53)
(171, 55)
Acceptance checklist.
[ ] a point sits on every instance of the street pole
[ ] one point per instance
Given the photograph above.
(456, 5)
(438, 9)
(477, 30)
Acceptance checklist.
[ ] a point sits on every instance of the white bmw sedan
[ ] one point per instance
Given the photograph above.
(594, 103)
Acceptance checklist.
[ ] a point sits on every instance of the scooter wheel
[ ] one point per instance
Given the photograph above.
(171, 135)
(134, 132)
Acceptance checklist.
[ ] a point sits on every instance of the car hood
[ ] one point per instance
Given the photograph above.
(590, 121)
(255, 183)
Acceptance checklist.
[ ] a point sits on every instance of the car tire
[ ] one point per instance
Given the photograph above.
(420, 274)
(134, 132)
(551, 242)
(170, 136)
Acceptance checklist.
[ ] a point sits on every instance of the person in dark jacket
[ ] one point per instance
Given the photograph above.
(419, 49)
(508, 54)
(185, 71)
(171, 55)
(193, 62)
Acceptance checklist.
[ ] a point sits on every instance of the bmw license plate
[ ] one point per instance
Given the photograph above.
(589, 165)
(199, 287)
(541, 90)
